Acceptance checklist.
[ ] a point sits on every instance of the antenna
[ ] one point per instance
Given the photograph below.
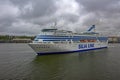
(55, 23)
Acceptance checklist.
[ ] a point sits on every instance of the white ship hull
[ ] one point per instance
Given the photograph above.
(54, 48)
(53, 41)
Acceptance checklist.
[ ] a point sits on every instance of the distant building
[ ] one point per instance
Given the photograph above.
(119, 39)
(113, 39)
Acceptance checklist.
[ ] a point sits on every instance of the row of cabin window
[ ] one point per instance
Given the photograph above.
(43, 47)
(51, 36)
(73, 38)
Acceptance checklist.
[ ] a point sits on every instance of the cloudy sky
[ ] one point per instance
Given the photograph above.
(28, 17)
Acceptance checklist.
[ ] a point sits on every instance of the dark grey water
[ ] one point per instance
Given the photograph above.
(19, 62)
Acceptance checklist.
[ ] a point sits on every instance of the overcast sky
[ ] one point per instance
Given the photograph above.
(28, 17)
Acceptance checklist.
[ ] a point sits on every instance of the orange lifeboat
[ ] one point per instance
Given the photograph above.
(92, 40)
(87, 40)
(83, 40)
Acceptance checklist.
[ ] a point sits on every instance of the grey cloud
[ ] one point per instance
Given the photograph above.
(8, 15)
(19, 3)
(29, 16)
(97, 5)
(6, 22)
(39, 8)
(106, 13)
(103, 8)
(70, 17)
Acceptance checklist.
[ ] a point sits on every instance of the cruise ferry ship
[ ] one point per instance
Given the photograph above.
(54, 41)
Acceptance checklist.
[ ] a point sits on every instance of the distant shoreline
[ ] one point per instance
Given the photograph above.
(29, 41)
(15, 41)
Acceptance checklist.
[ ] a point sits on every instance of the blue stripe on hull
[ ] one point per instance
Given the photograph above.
(70, 51)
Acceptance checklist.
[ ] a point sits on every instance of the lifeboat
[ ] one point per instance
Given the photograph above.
(91, 40)
(87, 40)
(83, 40)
